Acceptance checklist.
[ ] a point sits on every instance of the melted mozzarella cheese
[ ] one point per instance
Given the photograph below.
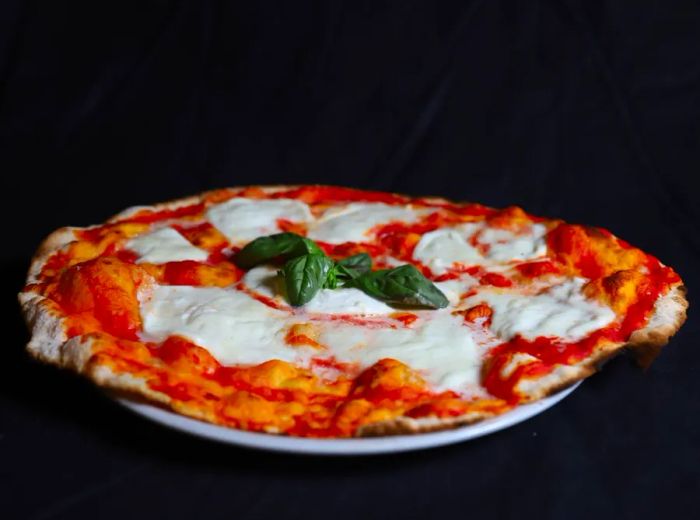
(237, 329)
(504, 245)
(442, 248)
(346, 301)
(242, 220)
(562, 311)
(164, 245)
(438, 346)
(354, 222)
(264, 281)
(454, 289)
(232, 326)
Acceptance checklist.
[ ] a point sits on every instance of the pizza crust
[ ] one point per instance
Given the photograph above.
(46, 327)
(55, 241)
(48, 342)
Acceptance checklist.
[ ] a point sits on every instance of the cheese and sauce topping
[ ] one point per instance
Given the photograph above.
(160, 295)
(560, 311)
(241, 220)
(355, 222)
(237, 329)
(478, 244)
(164, 245)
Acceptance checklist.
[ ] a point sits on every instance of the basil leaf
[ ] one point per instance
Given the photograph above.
(355, 265)
(404, 285)
(281, 245)
(304, 276)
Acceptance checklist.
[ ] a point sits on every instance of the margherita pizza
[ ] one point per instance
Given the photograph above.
(332, 312)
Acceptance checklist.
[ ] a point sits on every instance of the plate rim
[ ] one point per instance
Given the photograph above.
(340, 447)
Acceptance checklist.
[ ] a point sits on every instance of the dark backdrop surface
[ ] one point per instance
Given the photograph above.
(589, 111)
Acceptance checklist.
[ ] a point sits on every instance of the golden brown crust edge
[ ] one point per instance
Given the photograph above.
(48, 342)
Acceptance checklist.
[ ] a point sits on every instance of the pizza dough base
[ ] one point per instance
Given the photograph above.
(50, 344)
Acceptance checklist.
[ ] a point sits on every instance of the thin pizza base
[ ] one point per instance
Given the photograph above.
(49, 343)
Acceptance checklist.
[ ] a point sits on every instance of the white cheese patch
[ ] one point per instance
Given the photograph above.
(354, 222)
(243, 220)
(346, 301)
(264, 281)
(237, 329)
(454, 289)
(439, 347)
(505, 246)
(442, 248)
(232, 326)
(561, 310)
(390, 261)
(164, 245)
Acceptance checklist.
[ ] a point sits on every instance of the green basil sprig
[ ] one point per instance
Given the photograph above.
(282, 245)
(354, 266)
(307, 270)
(305, 275)
(403, 285)
(347, 269)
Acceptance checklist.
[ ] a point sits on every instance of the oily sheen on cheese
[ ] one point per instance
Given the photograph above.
(154, 299)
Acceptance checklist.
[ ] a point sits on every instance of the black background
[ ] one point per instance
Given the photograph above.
(585, 110)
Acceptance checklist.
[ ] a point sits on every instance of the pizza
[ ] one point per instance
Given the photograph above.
(327, 312)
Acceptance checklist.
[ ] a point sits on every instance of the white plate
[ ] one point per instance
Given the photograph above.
(363, 446)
